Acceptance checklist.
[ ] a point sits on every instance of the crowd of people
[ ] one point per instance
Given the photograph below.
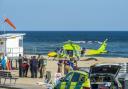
(35, 64)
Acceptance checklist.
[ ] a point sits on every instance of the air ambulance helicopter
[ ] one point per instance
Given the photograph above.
(70, 48)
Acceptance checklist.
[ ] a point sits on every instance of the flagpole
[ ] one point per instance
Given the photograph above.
(3, 28)
(12, 25)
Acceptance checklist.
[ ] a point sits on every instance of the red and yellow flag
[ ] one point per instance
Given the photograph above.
(9, 22)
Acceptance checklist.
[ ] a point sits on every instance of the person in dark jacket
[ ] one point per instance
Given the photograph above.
(42, 66)
(34, 66)
(24, 65)
(83, 52)
(30, 63)
(20, 60)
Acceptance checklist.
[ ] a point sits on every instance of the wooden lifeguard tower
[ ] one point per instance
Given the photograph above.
(11, 44)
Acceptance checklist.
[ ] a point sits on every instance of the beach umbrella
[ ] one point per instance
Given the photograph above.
(52, 54)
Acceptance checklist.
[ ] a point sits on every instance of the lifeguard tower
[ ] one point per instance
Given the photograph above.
(11, 44)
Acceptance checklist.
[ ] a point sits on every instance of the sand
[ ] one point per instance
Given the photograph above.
(52, 65)
(30, 83)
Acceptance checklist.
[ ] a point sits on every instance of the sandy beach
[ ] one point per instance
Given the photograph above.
(52, 65)
(79, 33)
(31, 83)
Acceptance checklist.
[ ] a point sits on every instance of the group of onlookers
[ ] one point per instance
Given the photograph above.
(35, 64)
(38, 64)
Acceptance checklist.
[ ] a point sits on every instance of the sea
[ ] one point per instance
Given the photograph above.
(42, 42)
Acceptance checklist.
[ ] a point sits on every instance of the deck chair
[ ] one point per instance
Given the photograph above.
(47, 81)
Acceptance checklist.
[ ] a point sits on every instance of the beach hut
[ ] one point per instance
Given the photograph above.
(11, 44)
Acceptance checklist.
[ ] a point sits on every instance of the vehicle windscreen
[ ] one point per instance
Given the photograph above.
(105, 69)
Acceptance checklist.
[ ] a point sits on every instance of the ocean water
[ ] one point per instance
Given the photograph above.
(42, 42)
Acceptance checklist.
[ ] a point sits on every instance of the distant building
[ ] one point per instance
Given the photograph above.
(11, 44)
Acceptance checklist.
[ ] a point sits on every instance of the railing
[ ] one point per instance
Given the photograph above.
(35, 50)
(14, 52)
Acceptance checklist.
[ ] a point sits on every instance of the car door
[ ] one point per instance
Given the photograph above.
(74, 81)
(65, 81)
(80, 82)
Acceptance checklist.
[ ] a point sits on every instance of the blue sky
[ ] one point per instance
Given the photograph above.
(66, 15)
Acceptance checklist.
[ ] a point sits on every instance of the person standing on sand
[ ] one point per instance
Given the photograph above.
(42, 66)
(66, 67)
(75, 65)
(24, 64)
(34, 66)
(82, 52)
(25, 60)
(60, 62)
(30, 63)
(20, 60)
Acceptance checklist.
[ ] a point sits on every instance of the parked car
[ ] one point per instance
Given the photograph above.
(104, 76)
(74, 80)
